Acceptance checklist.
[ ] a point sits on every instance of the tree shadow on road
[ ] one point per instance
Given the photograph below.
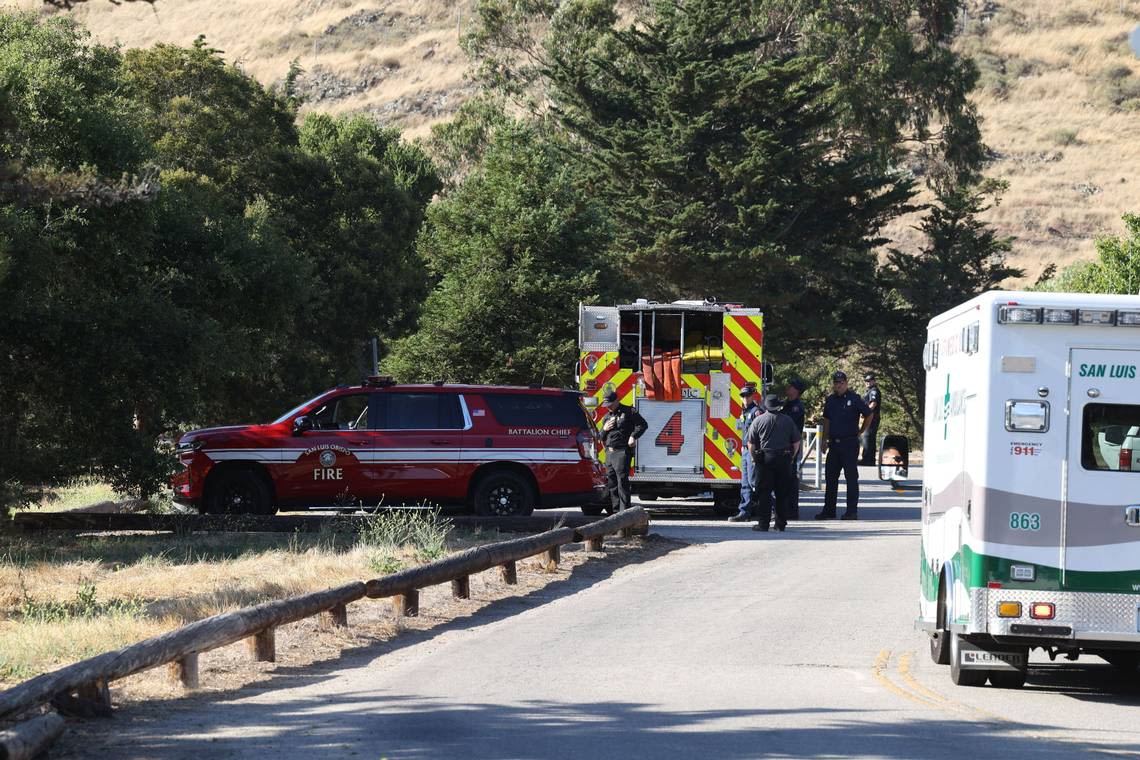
(404, 726)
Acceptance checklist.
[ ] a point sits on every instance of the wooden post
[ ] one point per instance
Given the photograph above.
(596, 544)
(461, 587)
(185, 671)
(553, 555)
(406, 604)
(336, 617)
(97, 695)
(510, 573)
(263, 646)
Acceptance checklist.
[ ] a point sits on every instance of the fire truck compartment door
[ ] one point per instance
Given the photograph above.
(598, 328)
(720, 395)
(675, 438)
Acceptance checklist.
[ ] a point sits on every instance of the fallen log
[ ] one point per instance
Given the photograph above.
(28, 739)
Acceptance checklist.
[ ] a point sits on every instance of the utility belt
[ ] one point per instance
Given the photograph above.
(843, 439)
(778, 452)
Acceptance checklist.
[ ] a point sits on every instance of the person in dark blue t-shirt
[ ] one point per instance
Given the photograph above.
(873, 398)
(841, 430)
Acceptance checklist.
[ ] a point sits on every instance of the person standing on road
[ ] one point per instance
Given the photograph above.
(752, 408)
(621, 427)
(841, 431)
(772, 441)
(794, 410)
(870, 437)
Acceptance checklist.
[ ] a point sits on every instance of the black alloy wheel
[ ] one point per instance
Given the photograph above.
(503, 494)
(239, 492)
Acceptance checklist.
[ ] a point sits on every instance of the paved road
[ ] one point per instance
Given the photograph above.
(743, 645)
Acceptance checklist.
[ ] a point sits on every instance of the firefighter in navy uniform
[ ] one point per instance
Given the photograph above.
(621, 427)
(773, 440)
(752, 408)
(841, 431)
(873, 398)
(794, 409)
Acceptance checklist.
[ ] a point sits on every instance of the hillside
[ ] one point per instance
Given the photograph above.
(1060, 96)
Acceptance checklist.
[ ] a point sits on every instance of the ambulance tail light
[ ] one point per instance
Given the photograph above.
(1042, 611)
(1125, 463)
(1009, 609)
(1019, 315)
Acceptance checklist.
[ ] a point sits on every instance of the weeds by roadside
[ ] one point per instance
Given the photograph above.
(388, 535)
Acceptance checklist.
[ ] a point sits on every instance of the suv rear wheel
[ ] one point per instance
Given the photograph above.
(502, 494)
(237, 492)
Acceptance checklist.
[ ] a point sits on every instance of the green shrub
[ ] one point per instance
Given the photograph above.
(1064, 137)
(84, 605)
(422, 531)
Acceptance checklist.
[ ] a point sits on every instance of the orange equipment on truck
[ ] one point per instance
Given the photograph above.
(682, 365)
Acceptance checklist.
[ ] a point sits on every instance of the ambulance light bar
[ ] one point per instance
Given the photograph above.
(1019, 315)
(1128, 318)
(1015, 314)
(1060, 316)
(1098, 317)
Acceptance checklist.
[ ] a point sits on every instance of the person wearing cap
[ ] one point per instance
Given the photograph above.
(870, 436)
(794, 410)
(621, 427)
(841, 430)
(752, 407)
(772, 441)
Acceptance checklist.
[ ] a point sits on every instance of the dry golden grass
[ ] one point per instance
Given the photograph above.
(62, 599)
(1051, 74)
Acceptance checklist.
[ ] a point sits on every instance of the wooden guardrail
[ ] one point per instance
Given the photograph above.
(191, 523)
(86, 682)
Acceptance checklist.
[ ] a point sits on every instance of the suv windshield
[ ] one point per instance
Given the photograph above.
(293, 412)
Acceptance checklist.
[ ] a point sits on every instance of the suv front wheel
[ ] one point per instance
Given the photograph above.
(502, 494)
(238, 492)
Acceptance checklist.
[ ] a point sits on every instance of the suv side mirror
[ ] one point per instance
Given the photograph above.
(767, 373)
(894, 457)
(301, 424)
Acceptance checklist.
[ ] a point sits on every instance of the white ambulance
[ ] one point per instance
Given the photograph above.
(1031, 487)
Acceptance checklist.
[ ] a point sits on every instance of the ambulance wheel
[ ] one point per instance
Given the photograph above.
(238, 492)
(958, 675)
(726, 503)
(939, 647)
(503, 493)
(1007, 679)
(593, 510)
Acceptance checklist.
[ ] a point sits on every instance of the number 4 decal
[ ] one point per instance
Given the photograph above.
(670, 436)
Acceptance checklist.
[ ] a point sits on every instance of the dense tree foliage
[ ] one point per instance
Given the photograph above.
(1116, 268)
(176, 249)
(746, 150)
(514, 249)
(961, 258)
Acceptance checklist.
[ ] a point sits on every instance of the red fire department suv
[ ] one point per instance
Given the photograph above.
(500, 450)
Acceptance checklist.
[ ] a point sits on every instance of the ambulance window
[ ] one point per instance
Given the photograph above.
(349, 412)
(1110, 437)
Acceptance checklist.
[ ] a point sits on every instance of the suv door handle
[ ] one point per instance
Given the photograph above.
(1132, 516)
(440, 442)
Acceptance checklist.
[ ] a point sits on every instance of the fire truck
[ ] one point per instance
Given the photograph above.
(682, 365)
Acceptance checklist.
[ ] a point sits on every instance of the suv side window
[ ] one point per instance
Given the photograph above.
(348, 412)
(537, 410)
(421, 411)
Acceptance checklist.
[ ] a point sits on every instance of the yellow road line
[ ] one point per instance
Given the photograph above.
(882, 662)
